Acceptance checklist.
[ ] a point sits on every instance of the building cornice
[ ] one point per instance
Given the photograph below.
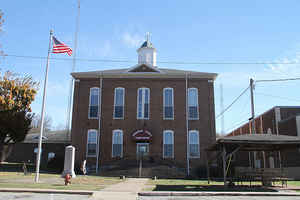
(151, 75)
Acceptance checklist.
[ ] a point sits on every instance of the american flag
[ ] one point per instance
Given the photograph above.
(59, 47)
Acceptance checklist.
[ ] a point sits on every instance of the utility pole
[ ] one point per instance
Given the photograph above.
(222, 108)
(252, 119)
(72, 81)
(252, 106)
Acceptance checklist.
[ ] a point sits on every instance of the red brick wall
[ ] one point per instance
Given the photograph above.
(205, 125)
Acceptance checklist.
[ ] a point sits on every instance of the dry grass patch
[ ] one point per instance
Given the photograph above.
(54, 181)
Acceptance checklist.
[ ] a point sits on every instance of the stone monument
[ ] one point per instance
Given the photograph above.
(69, 161)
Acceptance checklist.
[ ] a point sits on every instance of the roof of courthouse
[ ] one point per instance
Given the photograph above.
(48, 137)
(154, 72)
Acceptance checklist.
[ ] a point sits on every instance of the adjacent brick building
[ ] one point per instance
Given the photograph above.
(54, 143)
(121, 114)
(280, 120)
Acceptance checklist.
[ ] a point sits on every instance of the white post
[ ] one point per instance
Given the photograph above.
(38, 158)
(187, 126)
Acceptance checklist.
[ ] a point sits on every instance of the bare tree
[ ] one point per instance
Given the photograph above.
(36, 123)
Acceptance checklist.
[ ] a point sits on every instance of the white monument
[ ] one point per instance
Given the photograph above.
(69, 161)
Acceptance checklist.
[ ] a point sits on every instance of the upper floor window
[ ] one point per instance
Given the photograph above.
(91, 143)
(117, 143)
(168, 148)
(119, 103)
(194, 149)
(143, 102)
(193, 103)
(94, 103)
(168, 103)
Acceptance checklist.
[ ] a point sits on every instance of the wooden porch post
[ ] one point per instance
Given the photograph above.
(224, 164)
(207, 168)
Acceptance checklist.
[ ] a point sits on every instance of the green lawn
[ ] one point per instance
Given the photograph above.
(202, 185)
(54, 181)
(293, 183)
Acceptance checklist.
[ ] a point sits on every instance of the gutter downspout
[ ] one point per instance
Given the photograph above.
(99, 121)
(187, 126)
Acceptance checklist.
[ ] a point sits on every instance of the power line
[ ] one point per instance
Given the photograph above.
(163, 62)
(275, 96)
(274, 80)
(232, 103)
(69, 59)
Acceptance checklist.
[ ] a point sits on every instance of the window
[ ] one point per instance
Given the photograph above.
(94, 103)
(119, 103)
(91, 143)
(168, 148)
(194, 144)
(51, 155)
(143, 103)
(168, 103)
(117, 143)
(193, 103)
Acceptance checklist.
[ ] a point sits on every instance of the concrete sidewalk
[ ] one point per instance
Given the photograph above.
(126, 190)
(54, 191)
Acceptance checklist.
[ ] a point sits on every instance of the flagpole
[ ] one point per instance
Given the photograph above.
(38, 158)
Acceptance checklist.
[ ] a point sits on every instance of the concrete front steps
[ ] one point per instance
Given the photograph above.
(131, 169)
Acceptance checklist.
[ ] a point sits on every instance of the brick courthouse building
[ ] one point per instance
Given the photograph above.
(121, 114)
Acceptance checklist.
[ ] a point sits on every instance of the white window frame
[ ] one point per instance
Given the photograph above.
(198, 142)
(197, 118)
(143, 103)
(87, 142)
(89, 116)
(166, 131)
(115, 100)
(168, 118)
(112, 143)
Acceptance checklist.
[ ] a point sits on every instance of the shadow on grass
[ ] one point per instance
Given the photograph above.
(212, 188)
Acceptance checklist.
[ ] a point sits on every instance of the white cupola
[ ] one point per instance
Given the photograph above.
(147, 53)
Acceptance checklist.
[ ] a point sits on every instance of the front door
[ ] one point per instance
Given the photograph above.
(142, 149)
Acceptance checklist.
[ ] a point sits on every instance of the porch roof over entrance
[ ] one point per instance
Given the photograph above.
(256, 142)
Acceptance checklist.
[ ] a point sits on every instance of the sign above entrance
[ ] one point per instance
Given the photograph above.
(142, 135)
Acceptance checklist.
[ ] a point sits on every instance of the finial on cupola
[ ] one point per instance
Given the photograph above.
(148, 37)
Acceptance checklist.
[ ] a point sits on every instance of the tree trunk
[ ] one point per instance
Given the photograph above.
(2, 153)
(2, 149)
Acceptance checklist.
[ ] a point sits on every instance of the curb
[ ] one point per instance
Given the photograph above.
(80, 192)
(218, 194)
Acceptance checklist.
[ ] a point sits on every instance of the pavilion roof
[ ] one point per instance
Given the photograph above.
(256, 142)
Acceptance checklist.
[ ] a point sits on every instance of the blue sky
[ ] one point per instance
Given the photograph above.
(189, 31)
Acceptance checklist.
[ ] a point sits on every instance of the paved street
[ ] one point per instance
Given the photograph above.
(222, 198)
(39, 196)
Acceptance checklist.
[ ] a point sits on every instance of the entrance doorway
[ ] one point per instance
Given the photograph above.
(142, 149)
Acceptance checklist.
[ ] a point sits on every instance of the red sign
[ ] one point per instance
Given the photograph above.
(142, 135)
